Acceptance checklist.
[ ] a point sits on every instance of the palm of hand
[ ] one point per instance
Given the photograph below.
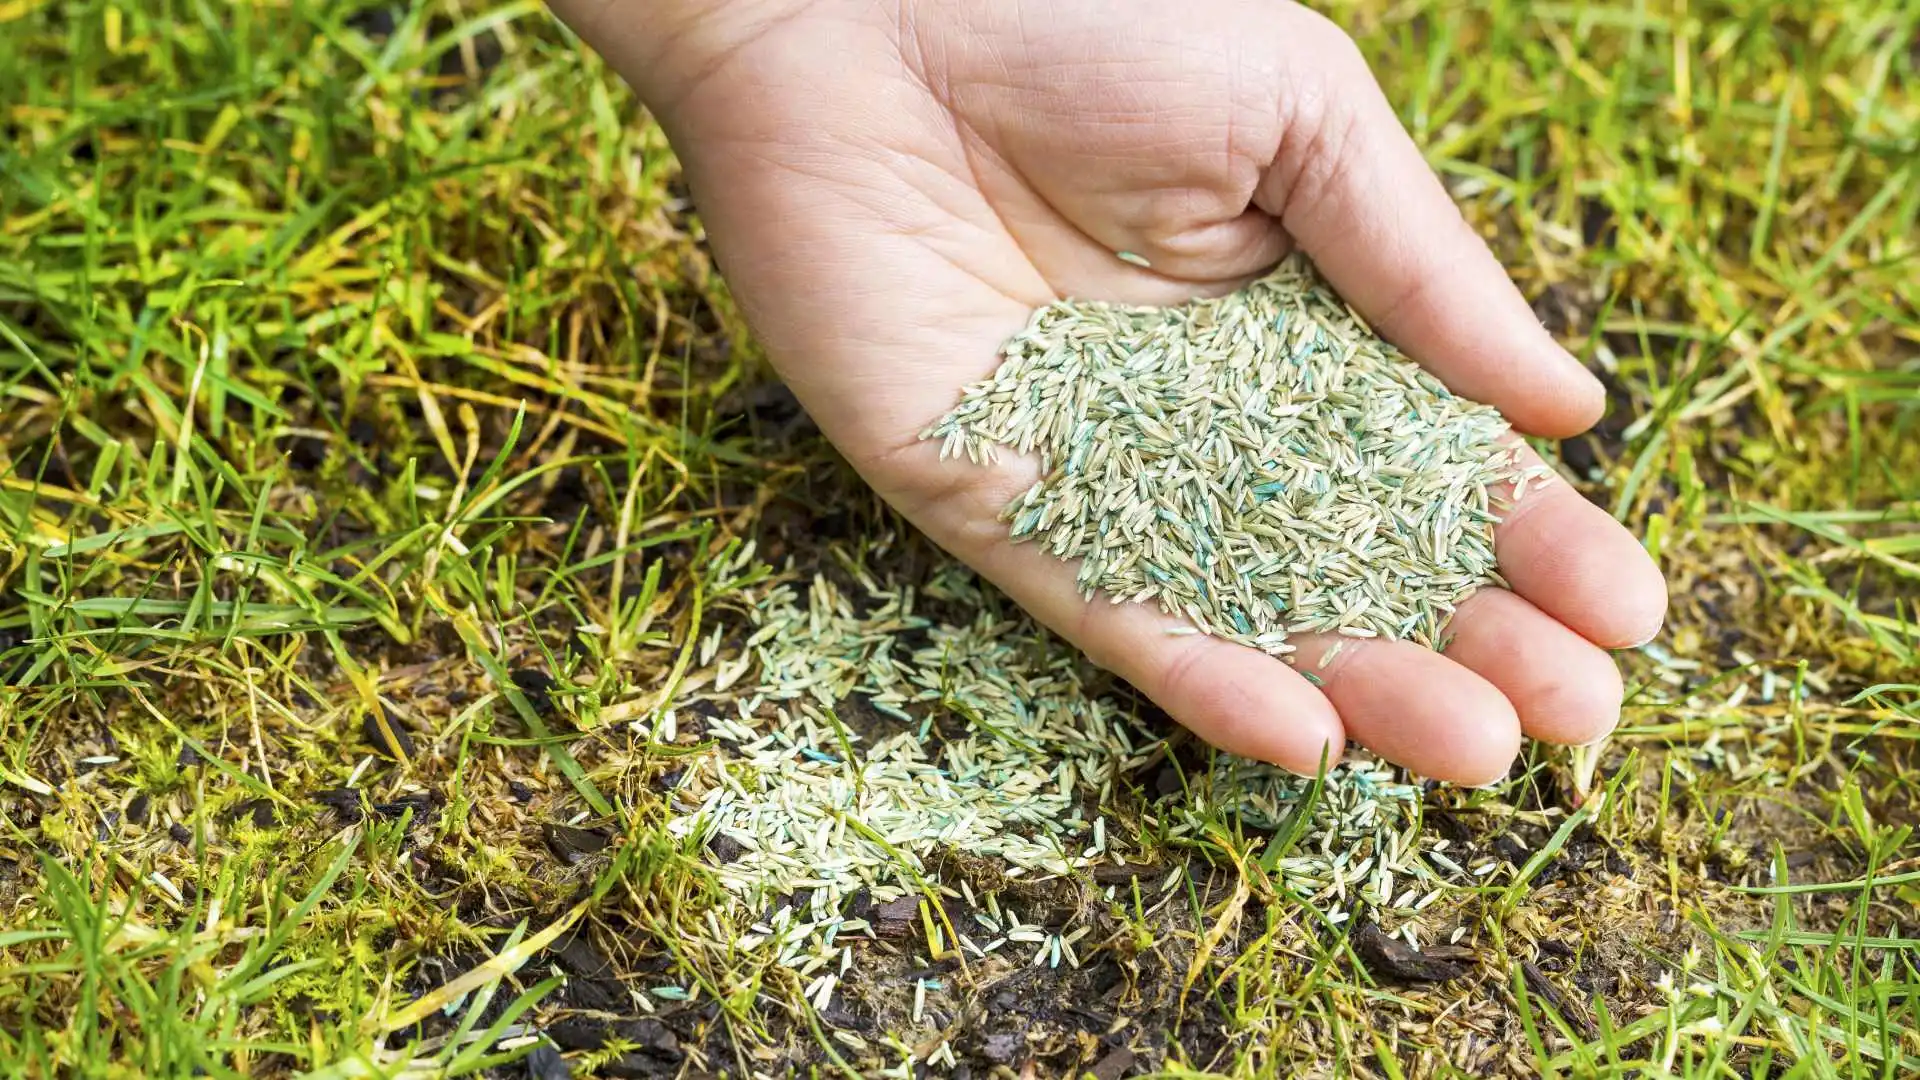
(891, 190)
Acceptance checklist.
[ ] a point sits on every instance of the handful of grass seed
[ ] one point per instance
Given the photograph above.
(1261, 463)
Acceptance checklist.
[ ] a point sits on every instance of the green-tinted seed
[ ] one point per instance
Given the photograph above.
(1263, 444)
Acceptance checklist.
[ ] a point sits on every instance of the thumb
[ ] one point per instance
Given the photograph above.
(1352, 189)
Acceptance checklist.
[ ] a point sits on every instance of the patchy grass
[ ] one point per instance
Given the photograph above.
(380, 445)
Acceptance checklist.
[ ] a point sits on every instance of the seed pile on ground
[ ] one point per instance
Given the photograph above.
(1261, 463)
(975, 735)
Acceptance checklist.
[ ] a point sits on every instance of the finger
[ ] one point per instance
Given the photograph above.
(1130, 246)
(1415, 707)
(1231, 248)
(1577, 564)
(1355, 193)
(1236, 698)
(1205, 256)
(1565, 689)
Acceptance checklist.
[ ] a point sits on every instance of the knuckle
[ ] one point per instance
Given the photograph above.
(1324, 126)
(1333, 153)
(1180, 670)
(1092, 643)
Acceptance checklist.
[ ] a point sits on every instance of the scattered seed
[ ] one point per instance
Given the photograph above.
(793, 798)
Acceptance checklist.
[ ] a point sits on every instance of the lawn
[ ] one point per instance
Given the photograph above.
(406, 559)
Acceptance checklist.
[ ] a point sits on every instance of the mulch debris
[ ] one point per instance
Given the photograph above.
(1392, 960)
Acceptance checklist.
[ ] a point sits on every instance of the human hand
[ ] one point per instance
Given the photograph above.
(892, 187)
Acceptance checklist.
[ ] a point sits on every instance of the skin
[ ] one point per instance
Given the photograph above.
(892, 186)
